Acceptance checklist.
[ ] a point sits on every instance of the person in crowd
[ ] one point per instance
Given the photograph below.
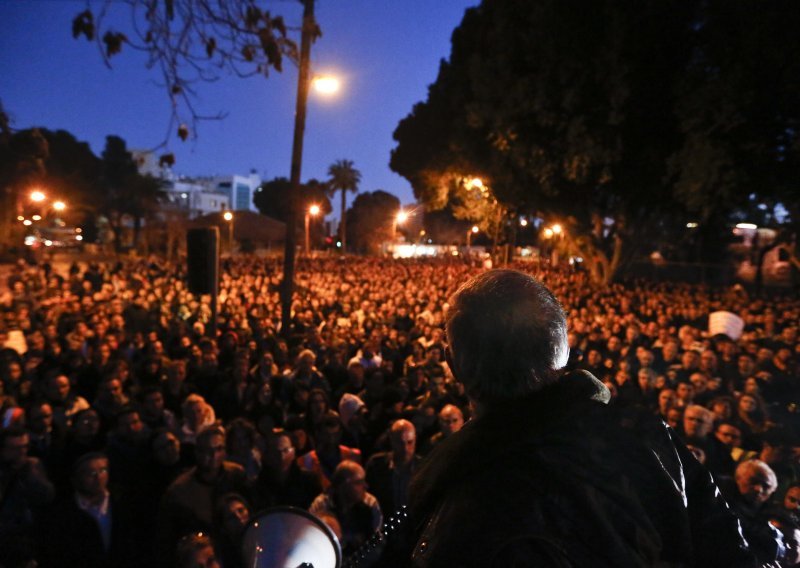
(281, 481)
(64, 403)
(507, 343)
(188, 504)
(450, 419)
(90, 526)
(197, 415)
(47, 439)
(329, 452)
(196, 551)
(347, 500)
(154, 412)
(355, 424)
(25, 490)
(389, 473)
(232, 514)
(754, 483)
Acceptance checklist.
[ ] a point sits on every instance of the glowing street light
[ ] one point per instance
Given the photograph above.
(326, 84)
(473, 231)
(313, 211)
(399, 219)
(523, 222)
(36, 217)
(228, 216)
(37, 196)
(548, 232)
(557, 229)
(59, 206)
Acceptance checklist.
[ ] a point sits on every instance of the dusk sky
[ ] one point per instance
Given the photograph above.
(386, 52)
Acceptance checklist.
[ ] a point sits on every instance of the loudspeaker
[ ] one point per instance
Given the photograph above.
(202, 259)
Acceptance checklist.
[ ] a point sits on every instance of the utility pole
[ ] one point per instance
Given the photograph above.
(287, 286)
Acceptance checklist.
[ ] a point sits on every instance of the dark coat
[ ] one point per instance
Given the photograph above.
(70, 537)
(562, 479)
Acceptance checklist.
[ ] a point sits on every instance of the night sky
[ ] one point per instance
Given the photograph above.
(387, 52)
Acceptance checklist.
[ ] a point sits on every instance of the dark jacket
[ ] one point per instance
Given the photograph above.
(70, 537)
(562, 479)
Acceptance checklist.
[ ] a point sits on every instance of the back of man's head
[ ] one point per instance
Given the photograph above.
(507, 335)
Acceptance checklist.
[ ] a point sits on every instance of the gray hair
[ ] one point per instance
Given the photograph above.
(507, 335)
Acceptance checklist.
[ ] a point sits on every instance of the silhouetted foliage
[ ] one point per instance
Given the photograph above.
(621, 120)
(370, 221)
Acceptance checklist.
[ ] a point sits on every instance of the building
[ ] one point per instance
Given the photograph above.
(239, 189)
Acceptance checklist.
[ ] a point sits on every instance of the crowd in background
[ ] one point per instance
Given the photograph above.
(130, 426)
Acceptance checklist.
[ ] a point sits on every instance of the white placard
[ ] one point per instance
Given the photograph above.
(16, 341)
(725, 323)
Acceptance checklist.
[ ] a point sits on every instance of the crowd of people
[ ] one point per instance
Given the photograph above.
(137, 432)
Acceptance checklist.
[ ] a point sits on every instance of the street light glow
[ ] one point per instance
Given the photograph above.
(228, 216)
(37, 217)
(523, 222)
(59, 205)
(37, 196)
(474, 228)
(557, 229)
(313, 210)
(751, 226)
(326, 85)
(402, 217)
(548, 232)
(476, 182)
(27, 222)
(20, 218)
(691, 225)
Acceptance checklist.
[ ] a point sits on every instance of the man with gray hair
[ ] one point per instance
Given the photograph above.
(754, 484)
(547, 473)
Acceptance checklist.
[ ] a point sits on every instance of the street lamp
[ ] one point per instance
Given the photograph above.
(399, 219)
(473, 230)
(59, 206)
(312, 211)
(228, 216)
(326, 84)
(37, 196)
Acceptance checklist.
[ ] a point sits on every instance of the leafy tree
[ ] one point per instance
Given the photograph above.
(371, 220)
(190, 42)
(343, 178)
(127, 192)
(621, 120)
(272, 198)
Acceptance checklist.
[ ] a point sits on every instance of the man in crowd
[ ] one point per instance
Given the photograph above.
(24, 492)
(545, 473)
(450, 419)
(389, 473)
(188, 504)
(754, 483)
(90, 526)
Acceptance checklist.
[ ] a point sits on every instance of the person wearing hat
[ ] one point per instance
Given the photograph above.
(355, 434)
(547, 473)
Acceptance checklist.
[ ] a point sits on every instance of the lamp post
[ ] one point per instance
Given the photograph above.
(228, 216)
(473, 230)
(312, 211)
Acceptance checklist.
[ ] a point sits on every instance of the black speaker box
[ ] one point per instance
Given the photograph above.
(202, 251)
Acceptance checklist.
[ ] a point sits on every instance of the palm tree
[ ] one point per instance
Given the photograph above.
(344, 178)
